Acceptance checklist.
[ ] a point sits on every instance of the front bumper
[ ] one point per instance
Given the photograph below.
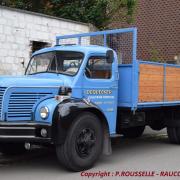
(24, 132)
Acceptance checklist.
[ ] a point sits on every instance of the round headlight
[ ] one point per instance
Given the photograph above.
(44, 112)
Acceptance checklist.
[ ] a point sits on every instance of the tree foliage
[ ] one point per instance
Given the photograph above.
(97, 12)
(31, 5)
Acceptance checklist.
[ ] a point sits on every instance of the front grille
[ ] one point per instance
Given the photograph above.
(21, 104)
(2, 90)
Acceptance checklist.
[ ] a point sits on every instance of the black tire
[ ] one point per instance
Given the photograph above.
(157, 125)
(12, 148)
(133, 132)
(174, 135)
(83, 144)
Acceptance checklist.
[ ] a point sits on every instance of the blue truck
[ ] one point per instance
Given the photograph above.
(77, 96)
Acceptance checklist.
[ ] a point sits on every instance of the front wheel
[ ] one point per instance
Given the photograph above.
(174, 134)
(83, 144)
(133, 132)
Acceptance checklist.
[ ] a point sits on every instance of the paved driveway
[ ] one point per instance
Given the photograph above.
(149, 154)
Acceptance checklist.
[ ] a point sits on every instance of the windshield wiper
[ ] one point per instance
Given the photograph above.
(43, 72)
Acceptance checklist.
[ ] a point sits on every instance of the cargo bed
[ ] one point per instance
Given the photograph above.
(148, 84)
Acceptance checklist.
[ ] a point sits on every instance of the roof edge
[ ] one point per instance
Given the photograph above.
(44, 15)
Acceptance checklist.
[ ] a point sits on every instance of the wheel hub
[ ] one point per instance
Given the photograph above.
(85, 142)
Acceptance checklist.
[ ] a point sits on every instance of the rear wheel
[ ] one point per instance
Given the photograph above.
(174, 134)
(83, 144)
(157, 124)
(12, 148)
(133, 132)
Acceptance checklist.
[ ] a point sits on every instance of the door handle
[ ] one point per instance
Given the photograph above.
(117, 76)
(113, 86)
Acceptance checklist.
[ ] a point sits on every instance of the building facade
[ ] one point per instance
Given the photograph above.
(23, 32)
(158, 24)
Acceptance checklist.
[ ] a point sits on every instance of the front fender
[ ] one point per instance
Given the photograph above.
(66, 112)
(51, 104)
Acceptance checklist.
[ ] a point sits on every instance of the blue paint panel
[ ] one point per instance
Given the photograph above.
(128, 85)
(44, 79)
(157, 63)
(158, 104)
(125, 86)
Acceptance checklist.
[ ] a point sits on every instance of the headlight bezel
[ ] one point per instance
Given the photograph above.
(44, 112)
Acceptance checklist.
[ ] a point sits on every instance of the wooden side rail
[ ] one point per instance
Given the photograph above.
(151, 83)
(158, 83)
(172, 83)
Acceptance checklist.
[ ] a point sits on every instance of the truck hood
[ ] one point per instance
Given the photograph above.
(24, 81)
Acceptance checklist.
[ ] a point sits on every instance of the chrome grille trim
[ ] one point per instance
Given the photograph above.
(2, 91)
(20, 104)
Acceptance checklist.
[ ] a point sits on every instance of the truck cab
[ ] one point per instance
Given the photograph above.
(61, 84)
(87, 73)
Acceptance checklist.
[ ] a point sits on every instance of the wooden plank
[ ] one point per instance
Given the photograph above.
(172, 83)
(150, 69)
(151, 83)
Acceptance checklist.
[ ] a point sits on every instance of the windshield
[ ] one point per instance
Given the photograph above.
(63, 62)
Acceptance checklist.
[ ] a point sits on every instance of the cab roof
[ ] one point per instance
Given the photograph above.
(78, 48)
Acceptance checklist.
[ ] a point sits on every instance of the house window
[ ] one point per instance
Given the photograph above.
(37, 45)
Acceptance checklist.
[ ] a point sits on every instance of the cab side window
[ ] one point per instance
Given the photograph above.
(98, 68)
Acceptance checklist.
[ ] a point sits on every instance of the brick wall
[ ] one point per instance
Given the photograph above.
(158, 24)
(19, 28)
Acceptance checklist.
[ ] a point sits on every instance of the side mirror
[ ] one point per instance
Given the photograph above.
(109, 56)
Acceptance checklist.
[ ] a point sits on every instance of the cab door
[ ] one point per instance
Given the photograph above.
(100, 85)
